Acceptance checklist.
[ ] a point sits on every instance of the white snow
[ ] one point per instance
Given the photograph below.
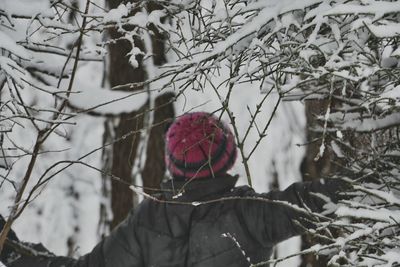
(380, 215)
(140, 19)
(388, 30)
(20, 8)
(378, 8)
(392, 93)
(10, 45)
(155, 17)
(115, 15)
(388, 197)
(371, 124)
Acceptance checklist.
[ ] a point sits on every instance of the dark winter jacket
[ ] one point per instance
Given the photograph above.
(212, 223)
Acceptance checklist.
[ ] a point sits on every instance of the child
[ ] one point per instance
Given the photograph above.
(201, 219)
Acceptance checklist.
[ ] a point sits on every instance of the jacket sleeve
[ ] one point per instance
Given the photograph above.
(278, 215)
(119, 249)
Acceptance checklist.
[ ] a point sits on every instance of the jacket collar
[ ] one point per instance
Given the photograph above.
(198, 189)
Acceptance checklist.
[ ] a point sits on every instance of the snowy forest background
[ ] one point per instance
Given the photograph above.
(311, 89)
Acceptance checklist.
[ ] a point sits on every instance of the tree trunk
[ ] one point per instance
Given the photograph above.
(154, 168)
(313, 168)
(124, 152)
(124, 156)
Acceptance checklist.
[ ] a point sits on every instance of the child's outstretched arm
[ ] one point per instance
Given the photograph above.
(284, 214)
(119, 249)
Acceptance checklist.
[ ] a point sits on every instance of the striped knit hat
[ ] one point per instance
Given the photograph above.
(199, 145)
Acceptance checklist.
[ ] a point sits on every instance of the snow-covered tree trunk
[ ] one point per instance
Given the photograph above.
(120, 71)
(149, 119)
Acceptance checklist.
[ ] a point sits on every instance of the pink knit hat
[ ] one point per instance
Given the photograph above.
(199, 145)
